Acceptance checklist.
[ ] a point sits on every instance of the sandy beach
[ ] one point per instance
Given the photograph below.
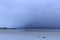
(13, 34)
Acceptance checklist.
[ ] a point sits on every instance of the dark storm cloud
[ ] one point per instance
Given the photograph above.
(32, 13)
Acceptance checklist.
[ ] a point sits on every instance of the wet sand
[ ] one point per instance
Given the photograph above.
(21, 34)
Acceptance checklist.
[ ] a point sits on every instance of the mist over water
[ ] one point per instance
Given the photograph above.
(23, 13)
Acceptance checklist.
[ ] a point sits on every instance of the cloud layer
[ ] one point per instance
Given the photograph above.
(21, 13)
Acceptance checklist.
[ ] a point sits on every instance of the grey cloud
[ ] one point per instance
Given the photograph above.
(20, 13)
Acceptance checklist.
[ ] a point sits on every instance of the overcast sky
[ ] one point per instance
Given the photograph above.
(20, 13)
